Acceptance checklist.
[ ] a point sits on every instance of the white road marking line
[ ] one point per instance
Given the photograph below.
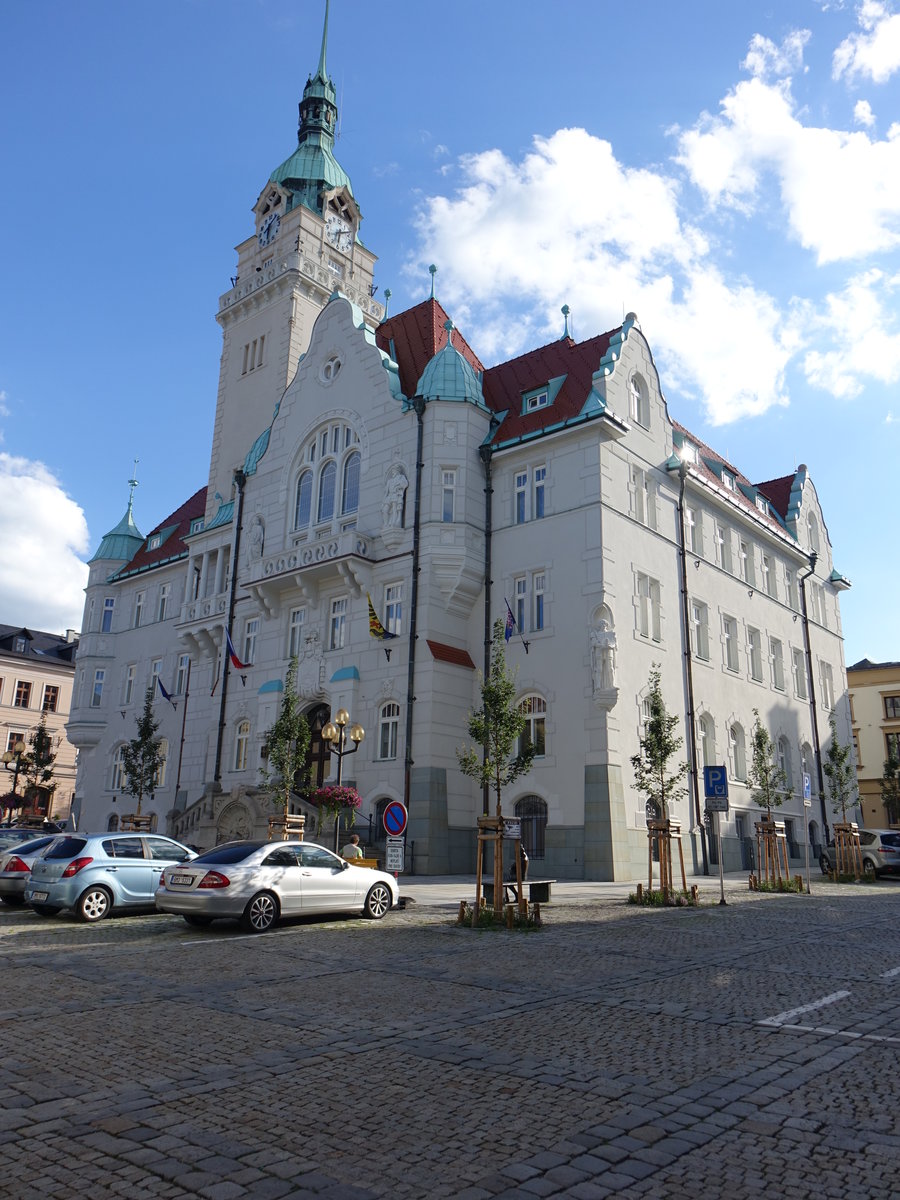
(783, 1018)
(825, 1031)
(891, 974)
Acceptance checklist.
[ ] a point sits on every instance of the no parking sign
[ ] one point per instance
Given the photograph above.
(395, 818)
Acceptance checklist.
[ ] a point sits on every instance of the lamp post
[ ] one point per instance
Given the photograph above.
(336, 734)
(10, 757)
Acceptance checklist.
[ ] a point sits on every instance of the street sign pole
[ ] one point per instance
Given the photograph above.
(807, 804)
(715, 786)
(721, 864)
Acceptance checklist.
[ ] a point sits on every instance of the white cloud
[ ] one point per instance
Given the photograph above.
(764, 58)
(861, 315)
(838, 189)
(4, 411)
(45, 531)
(862, 114)
(874, 53)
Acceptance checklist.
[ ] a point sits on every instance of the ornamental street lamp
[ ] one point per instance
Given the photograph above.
(12, 760)
(336, 734)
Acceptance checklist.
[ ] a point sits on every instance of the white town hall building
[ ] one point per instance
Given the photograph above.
(358, 454)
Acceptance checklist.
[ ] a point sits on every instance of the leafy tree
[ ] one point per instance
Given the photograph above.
(769, 784)
(37, 765)
(890, 789)
(141, 756)
(652, 776)
(287, 742)
(497, 726)
(841, 775)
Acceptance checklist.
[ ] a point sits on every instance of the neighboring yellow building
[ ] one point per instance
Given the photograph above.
(875, 715)
(37, 671)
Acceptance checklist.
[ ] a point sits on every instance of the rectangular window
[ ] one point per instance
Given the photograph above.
(539, 589)
(700, 630)
(388, 729)
(754, 652)
(730, 634)
(536, 401)
(23, 694)
(155, 672)
(892, 708)
(128, 694)
(106, 620)
(295, 631)
(798, 659)
(520, 603)
(138, 609)
(643, 498)
(11, 738)
(50, 703)
(728, 480)
(393, 608)
(748, 574)
(693, 531)
(892, 746)
(649, 609)
(163, 609)
(826, 680)
(97, 690)
(723, 547)
(768, 576)
(338, 624)
(521, 493)
(790, 587)
(540, 479)
(251, 629)
(448, 499)
(182, 674)
(776, 657)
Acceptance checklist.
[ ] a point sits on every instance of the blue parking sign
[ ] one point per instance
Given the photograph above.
(715, 781)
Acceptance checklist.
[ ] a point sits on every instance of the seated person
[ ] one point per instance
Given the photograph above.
(511, 873)
(353, 849)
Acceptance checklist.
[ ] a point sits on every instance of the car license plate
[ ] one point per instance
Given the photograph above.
(181, 879)
(40, 896)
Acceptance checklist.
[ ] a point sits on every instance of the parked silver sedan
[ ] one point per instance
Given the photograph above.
(258, 882)
(15, 867)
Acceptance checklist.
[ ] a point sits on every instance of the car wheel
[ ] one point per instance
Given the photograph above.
(261, 913)
(13, 901)
(378, 901)
(46, 910)
(193, 919)
(94, 904)
(869, 869)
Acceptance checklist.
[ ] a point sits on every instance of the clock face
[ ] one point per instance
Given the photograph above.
(338, 233)
(269, 228)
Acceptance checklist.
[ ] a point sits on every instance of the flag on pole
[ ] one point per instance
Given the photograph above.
(165, 694)
(235, 661)
(510, 622)
(376, 629)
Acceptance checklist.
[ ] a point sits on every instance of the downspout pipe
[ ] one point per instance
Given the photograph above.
(238, 482)
(485, 453)
(419, 408)
(688, 668)
(817, 751)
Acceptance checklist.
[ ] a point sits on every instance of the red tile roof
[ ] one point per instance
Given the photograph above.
(450, 654)
(416, 336)
(172, 546)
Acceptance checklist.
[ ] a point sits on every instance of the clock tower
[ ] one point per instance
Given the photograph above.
(304, 247)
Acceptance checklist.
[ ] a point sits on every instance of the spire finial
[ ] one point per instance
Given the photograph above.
(565, 312)
(132, 484)
(387, 301)
(433, 270)
(449, 326)
(323, 70)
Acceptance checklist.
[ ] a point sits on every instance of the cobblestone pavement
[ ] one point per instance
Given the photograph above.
(718, 1052)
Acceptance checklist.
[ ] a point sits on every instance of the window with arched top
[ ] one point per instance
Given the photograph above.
(350, 488)
(534, 709)
(738, 752)
(783, 751)
(388, 729)
(241, 746)
(707, 740)
(303, 504)
(813, 527)
(639, 403)
(117, 770)
(325, 508)
(532, 813)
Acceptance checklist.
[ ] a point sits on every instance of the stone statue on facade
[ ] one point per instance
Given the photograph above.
(256, 539)
(394, 493)
(603, 657)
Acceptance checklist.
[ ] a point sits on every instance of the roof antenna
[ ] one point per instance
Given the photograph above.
(433, 270)
(565, 312)
(132, 484)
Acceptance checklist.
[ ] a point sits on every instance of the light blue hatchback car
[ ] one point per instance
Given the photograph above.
(95, 874)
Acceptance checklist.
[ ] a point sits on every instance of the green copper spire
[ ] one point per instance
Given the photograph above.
(122, 543)
(312, 169)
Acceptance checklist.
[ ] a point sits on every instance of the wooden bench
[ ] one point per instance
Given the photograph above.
(538, 890)
(364, 862)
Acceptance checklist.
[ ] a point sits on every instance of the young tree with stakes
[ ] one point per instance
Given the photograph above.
(141, 757)
(839, 770)
(769, 784)
(287, 743)
(37, 766)
(890, 789)
(652, 776)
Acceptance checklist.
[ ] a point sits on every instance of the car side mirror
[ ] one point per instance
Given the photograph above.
(344, 864)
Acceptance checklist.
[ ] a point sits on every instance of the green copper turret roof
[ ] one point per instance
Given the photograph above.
(448, 376)
(312, 168)
(122, 543)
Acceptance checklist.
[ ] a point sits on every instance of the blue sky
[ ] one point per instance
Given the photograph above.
(730, 172)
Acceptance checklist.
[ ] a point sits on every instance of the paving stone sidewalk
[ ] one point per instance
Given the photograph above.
(724, 1052)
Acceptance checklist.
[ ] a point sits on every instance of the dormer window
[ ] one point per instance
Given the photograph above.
(535, 400)
(728, 480)
(761, 504)
(154, 541)
(197, 525)
(688, 453)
